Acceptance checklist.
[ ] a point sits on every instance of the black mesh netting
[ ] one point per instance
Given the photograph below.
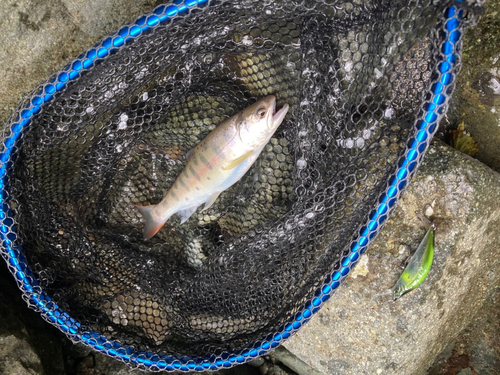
(355, 74)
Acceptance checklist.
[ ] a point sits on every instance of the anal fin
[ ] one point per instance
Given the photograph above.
(210, 201)
(186, 214)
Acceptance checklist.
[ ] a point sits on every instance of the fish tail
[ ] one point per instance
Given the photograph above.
(151, 223)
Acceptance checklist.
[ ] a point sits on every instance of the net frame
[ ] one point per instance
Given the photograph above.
(425, 127)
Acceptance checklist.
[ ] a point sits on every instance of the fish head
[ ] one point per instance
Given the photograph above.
(259, 121)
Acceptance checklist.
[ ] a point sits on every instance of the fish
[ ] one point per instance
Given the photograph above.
(418, 267)
(219, 161)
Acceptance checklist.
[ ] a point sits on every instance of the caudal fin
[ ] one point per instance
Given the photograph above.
(151, 225)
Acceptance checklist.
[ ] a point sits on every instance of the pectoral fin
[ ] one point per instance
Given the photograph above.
(238, 161)
(210, 201)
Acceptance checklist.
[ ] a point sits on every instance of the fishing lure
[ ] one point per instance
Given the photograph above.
(418, 267)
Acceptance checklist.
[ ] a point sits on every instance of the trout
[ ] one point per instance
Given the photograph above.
(216, 163)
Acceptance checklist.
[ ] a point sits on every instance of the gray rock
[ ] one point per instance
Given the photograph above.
(359, 333)
(292, 362)
(483, 340)
(477, 95)
(257, 362)
(39, 37)
(18, 357)
(477, 346)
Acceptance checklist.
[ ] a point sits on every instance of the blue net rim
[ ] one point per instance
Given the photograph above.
(424, 129)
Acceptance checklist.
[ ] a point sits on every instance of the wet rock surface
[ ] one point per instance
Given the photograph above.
(359, 331)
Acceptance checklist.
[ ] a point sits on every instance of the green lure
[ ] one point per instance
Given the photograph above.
(418, 267)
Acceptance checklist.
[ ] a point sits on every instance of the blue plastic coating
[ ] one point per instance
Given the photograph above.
(353, 257)
(392, 191)
(16, 259)
(372, 225)
(402, 173)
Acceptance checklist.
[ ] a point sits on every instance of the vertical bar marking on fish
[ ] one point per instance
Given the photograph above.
(218, 162)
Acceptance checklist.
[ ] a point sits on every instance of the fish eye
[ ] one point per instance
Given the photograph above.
(261, 112)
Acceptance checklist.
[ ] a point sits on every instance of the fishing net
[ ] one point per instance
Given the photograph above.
(367, 83)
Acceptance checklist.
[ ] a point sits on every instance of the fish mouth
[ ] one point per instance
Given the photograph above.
(279, 115)
(274, 117)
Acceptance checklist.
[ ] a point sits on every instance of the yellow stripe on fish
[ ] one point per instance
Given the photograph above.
(217, 163)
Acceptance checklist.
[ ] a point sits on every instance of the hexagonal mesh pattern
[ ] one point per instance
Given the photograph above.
(366, 83)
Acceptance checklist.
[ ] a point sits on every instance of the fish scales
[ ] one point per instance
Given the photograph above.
(210, 160)
(216, 163)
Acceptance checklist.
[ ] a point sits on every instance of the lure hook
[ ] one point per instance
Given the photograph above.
(423, 215)
(431, 223)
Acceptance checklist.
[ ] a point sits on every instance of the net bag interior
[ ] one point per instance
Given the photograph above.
(367, 83)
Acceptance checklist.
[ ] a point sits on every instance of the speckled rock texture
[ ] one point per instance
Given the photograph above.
(39, 37)
(477, 347)
(358, 332)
